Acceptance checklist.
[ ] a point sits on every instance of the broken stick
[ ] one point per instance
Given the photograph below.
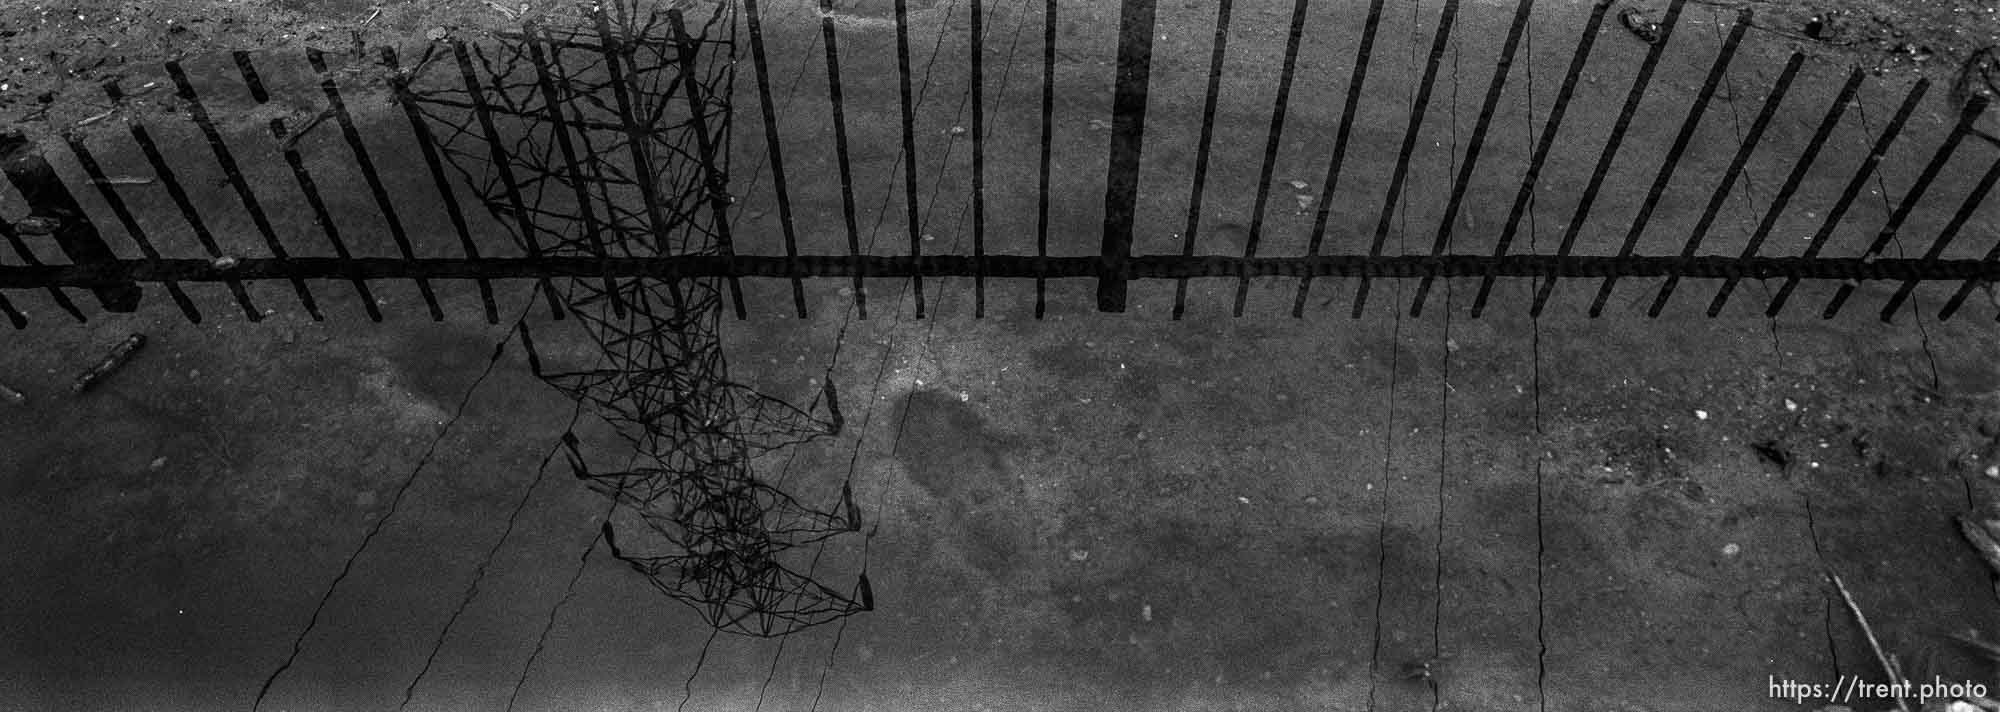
(118, 356)
(1888, 663)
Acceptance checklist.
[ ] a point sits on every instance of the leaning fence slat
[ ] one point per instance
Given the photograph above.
(1916, 193)
(1854, 186)
(842, 154)
(28, 257)
(1958, 219)
(1533, 175)
(1203, 147)
(1324, 205)
(112, 200)
(320, 214)
(559, 125)
(234, 176)
(497, 153)
(366, 164)
(1663, 179)
(71, 229)
(1800, 168)
(1274, 141)
(1447, 224)
(427, 146)
(178, 193)
(714, 182)
(1612, 144)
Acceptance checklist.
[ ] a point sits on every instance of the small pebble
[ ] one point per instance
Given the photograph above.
(1993, 471)
(1791, 405)
(1731, 549)
(157, 463)
(1299, 185)
(1146, 613)
(1243, 500)
(1701, 415)
(1078, 555)
(436, 34)
(958, 130)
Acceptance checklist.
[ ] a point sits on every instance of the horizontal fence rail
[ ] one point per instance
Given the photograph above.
(569, 163)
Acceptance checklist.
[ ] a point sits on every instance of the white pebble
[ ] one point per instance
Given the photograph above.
(1701, 415)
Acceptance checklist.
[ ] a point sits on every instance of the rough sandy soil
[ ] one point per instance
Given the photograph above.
(51, 49)
(1655, 508)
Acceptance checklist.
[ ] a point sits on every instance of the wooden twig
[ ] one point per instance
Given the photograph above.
(1981, 536)
(1888, 663)
(118, 356)
(88, 120)
(292, 141)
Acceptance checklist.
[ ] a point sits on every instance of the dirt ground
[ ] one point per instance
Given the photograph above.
(56, 49)
(1088, 512)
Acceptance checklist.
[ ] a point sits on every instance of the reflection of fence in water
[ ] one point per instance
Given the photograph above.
(612, 142)
(579, 202)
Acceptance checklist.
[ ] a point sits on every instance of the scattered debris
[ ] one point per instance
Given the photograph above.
(1916, 52)
(35, 225)
(88, 120)
(1640, 27)
(11, 396)
(292, 141)
(118, 356)
(1424, 669)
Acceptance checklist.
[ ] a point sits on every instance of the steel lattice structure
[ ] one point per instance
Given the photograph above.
(607, 142)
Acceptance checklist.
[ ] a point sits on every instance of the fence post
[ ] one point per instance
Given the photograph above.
(50, 201)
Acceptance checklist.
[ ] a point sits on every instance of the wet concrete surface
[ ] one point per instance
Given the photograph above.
(1087, 511)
